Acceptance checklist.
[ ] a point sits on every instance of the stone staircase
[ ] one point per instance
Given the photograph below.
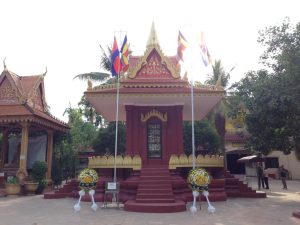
(155, 192)
(236, 188)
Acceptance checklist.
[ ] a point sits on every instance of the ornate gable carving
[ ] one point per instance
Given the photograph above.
(7, 93)
(37, 99)
(154, 113)
(154, 68)
(154, 65)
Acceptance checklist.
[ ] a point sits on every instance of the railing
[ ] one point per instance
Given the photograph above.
(127, 161)
(200, 161)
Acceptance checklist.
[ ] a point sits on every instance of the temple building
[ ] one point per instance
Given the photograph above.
(26, 125)
(154, 101)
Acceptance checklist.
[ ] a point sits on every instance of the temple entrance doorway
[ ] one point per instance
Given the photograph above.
(154, 144)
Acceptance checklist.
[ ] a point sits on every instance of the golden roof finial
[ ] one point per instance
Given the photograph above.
(219, 82)
(4, 64)
(90, 85)
(185, 76)
(44, 74)
(152, 40)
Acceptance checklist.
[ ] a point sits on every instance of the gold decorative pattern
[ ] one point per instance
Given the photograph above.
(132, 72)
(36, 99)
(154, 68)
(7, 94)
(134, 162)
(154, 113)
(200, 161)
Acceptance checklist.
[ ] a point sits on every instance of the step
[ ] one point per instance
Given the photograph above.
(296, 214)
(133, 206)
(154, 195)
(153, 200)
(156, 179)
(154, 190)
(154, 175)
(157, 182)
(155, 185)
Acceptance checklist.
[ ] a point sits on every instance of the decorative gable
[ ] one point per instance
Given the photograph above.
(36, 100)
(154, 67)
(7, 93)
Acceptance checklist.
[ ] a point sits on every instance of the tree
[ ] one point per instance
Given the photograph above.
(81, 133)
(273, 97)
(105, 64)
(66, 147)
(89, 112)
(205, 136)
(219, 113)
(219, 73)
(105, 140)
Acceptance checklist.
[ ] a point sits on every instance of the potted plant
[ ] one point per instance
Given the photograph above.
(12, 186)
(31, 186)
(38, 173)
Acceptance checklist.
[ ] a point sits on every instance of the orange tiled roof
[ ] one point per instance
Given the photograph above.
(23, 108)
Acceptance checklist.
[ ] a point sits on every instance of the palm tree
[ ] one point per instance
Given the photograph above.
(219, 73)
(105, 64)
(218, 114)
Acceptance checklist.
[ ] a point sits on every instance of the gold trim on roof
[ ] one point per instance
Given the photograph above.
(154, 113)
(175, 72)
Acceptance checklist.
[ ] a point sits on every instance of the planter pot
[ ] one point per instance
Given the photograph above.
(31, 187)
(12, 189)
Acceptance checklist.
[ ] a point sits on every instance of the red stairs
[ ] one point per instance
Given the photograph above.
(155, 192)
(236, 188)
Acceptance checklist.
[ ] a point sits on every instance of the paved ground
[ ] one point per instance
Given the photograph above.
(276, 209)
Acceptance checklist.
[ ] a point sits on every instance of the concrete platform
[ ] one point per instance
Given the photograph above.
(276, 209)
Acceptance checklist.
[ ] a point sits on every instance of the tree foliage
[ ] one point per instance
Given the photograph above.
(105, 140)
(273, 96)
(89, 112)
(206, 136)
(219, 73)
(66, 147)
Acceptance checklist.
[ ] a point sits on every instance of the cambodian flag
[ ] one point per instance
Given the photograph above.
(124, 54)
(116, 66)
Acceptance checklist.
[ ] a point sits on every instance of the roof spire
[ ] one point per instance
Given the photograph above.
(152, 40)
(4, 64)
(44, 74)
(219, 82)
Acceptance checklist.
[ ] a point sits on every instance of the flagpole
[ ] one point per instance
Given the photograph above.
(117, 117)
(193, 123)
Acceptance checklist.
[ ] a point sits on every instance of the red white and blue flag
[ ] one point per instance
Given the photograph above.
(116, 66)
(182, 45)
(205, 55)
(125, 55)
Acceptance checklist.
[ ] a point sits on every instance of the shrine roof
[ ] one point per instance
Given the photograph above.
(22, 98)
(153, 80)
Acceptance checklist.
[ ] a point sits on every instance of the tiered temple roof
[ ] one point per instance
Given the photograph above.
(22, 99)
(153, 80)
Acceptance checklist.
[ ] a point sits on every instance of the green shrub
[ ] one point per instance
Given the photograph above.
(38, 173)
(12, 180)
(39, 170)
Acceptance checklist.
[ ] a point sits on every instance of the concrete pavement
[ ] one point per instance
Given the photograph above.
(276, 209)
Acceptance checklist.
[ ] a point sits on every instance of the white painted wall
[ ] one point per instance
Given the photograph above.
(290, 162)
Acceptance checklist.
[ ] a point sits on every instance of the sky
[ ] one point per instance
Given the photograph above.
(64, 35)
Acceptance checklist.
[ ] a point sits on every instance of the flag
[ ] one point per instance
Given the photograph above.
(206, 58)
(115, 60)
(124, 55)
(182, 45)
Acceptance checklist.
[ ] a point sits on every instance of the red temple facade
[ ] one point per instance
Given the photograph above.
(154, 100)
